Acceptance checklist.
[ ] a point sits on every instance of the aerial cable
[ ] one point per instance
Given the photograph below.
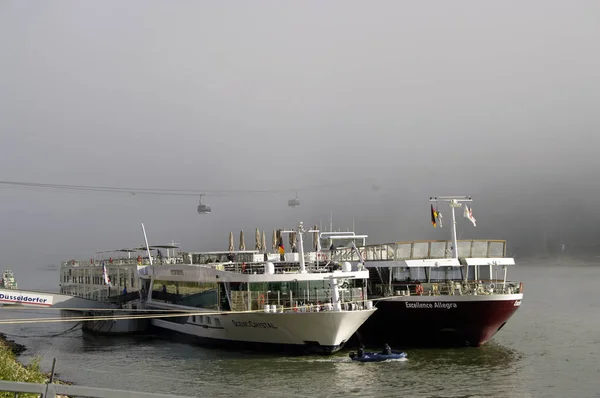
(171, 192)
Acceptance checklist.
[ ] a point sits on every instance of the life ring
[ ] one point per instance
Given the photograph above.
(344, 285)
(261, 299)
(491, 286)
(419, 289)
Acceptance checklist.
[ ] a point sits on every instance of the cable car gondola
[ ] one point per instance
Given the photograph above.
(202, 208)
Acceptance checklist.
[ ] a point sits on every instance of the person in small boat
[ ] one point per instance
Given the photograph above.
(386, 350)
(360, 352)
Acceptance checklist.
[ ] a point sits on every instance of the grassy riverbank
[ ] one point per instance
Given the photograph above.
(13, 370)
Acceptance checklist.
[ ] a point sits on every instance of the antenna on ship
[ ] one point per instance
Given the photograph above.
(299, 236)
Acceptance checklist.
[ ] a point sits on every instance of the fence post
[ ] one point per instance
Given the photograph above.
(52, 371)
(50, 391)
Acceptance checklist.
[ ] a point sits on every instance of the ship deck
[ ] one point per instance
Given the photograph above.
(425, 249)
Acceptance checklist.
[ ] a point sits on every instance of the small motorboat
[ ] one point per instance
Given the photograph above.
(376, 356)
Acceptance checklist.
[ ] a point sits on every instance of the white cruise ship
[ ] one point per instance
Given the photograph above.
(248, 299)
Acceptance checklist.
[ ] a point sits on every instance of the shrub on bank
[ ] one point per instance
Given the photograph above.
(12, 370)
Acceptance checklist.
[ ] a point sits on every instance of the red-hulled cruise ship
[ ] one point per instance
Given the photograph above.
(438, 293)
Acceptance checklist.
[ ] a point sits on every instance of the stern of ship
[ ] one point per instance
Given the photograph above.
(439, 321)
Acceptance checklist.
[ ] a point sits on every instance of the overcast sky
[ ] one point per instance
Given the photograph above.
(498, 100)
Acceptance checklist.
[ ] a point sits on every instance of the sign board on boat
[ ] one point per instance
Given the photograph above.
(26, 298)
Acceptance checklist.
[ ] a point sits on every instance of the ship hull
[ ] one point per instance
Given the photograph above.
(310, 332)
(437, 321)
(239, 345)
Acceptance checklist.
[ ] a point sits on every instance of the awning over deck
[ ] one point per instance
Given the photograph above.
(490, 261)
(440, 262)
(429, 262)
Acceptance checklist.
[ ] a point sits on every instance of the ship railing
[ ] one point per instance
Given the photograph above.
(418, 249)
(98, 263)
(302, 300)
(120, 261)
(279, 268)
(449, 288)
(424, 249)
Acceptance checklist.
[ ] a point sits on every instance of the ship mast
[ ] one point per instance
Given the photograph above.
(299, 237)
(454, 202)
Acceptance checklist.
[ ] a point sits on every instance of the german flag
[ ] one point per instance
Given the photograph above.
(280, 248)
(433, 217)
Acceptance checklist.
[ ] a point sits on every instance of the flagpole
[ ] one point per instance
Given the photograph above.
(330, 221)
(453, 206)
(147, 247)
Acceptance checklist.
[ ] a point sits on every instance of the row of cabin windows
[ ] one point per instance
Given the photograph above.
(206, 320)
(95, 280)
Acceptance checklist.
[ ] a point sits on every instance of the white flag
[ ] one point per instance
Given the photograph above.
(439, 218)
(470, 216)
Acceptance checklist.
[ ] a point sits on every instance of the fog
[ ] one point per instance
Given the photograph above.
(497, 100)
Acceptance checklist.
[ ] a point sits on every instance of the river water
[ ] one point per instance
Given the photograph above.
(550, 347)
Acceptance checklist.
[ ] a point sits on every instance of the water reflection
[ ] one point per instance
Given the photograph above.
(489, 356)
